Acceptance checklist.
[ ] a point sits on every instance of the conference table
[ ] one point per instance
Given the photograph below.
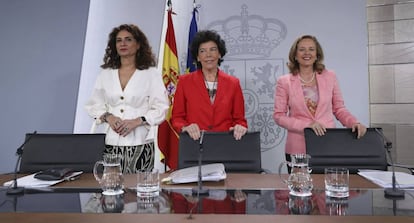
(238, 198)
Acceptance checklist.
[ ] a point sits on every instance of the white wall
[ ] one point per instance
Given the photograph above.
(339, 25)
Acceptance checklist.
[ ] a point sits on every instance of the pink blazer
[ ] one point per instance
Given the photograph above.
(192, 103)
(291, 112)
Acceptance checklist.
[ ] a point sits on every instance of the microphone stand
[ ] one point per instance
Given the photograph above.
(15, 190)
(394, 192)
(200, 190)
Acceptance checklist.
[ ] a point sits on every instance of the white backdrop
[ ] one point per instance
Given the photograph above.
(339, 25)
(103, 17)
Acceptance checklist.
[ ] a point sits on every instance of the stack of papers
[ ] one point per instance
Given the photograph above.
(29, 181)
(384, 178)
(209, 172)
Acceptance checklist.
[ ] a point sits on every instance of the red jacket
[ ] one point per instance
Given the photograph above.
(192, 103)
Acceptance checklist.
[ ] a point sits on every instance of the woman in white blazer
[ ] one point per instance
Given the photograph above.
(129, 97)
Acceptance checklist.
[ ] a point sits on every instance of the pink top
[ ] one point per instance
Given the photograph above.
(311, 97)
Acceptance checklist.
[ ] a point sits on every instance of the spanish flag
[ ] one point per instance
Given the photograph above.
(167, 137)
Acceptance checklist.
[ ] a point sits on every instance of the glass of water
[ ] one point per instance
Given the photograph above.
(148, 184)
(336, 182)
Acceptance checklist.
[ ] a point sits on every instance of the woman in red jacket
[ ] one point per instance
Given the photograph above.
(208, 98)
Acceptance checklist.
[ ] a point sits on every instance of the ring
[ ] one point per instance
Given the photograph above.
(125, 129)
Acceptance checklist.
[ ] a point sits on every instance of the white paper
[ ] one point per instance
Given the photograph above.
(384, 178)
(209, 172)
(30, 181)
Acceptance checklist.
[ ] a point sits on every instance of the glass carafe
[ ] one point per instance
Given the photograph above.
(112, 180)
(299, 181)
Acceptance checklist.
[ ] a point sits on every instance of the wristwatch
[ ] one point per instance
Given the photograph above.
(144, 120)
(105, 116)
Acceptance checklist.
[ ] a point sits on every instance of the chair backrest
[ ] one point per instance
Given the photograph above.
(339, 147)
(76, 151)
(220, 147)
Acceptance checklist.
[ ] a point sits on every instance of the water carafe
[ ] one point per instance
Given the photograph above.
(111, 180)
(299, 181)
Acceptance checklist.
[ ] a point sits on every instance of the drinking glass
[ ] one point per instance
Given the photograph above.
(336, 182)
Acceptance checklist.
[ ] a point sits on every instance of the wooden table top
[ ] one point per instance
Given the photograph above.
(233, 181)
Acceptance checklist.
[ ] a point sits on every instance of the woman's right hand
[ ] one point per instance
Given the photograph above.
(318, 128)
(193, 130)
(114, 122)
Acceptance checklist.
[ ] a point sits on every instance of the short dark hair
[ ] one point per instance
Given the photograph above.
(144, 56)
(203, 37)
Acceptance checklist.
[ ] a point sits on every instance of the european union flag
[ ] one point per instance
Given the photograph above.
(191, 65)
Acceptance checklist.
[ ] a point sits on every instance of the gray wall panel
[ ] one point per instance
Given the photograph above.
(40, 59)
(381, 84)
(404, 83)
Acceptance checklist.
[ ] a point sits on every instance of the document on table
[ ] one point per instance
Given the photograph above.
(30, 181)
(384, 178)
(209, 172)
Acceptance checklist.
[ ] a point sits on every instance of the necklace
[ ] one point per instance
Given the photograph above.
(211, 92)
(309, 81)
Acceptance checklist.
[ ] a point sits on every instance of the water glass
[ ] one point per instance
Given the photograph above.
(148, 184)
(336, 182)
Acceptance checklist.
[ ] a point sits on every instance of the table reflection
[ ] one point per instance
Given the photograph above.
(112, 203)
(360, 202)
(217, 202)
(127, 202)
(318, 203)
(300, 204)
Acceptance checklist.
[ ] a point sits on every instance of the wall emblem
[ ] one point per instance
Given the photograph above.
(250, 40)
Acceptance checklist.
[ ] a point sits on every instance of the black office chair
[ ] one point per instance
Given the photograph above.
(339, 147)
(220, 147)
(76, 151)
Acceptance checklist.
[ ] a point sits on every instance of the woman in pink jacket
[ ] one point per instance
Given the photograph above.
(309, 96)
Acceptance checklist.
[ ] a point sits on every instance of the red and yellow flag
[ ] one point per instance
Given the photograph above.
(167, 137)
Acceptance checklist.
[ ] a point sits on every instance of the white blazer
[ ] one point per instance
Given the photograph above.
(144, 95)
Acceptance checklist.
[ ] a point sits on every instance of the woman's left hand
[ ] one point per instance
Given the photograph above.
(360, 128)
(238, 131)
(124, 127)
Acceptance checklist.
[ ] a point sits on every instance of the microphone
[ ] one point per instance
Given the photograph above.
(200, 190)
(393, 192)
(15, 190)
(201, 137)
